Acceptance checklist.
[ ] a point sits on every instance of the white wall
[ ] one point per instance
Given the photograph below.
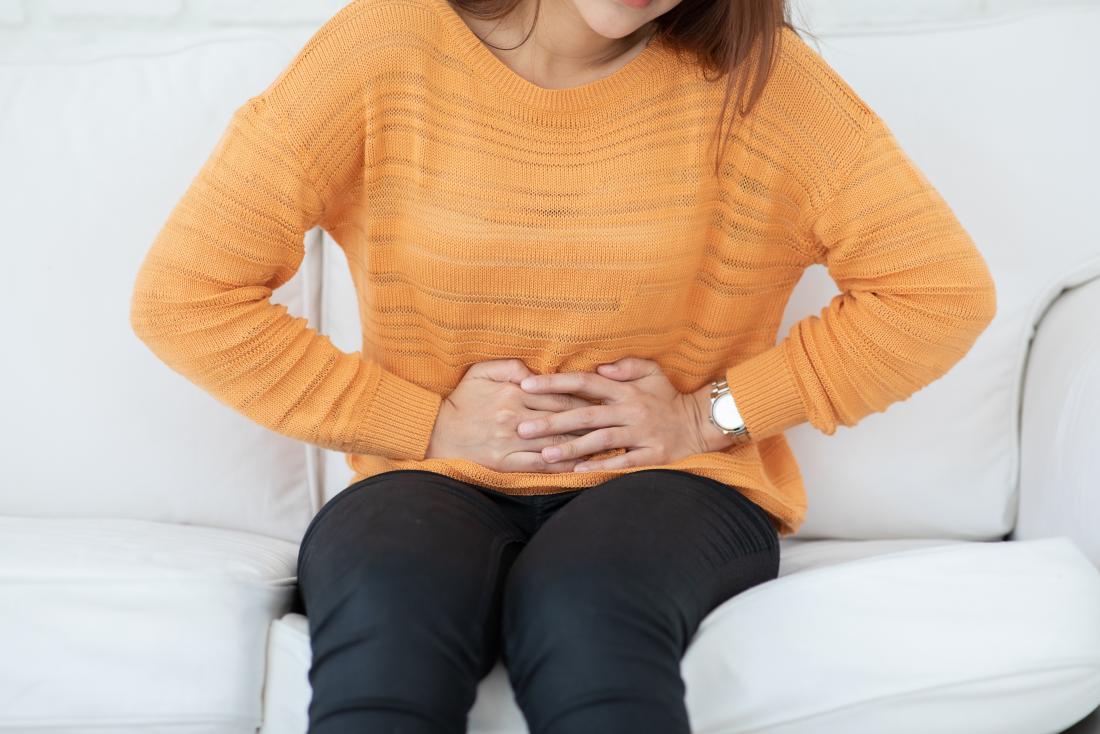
(843, 17)
(18, 17)
(30, 14)
(46, 30)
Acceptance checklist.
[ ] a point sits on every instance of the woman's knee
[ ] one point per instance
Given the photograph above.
(575, 641)
(586, 622)
(395, 580)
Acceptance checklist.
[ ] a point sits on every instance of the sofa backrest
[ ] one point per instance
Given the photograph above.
(101, 132)
(1000, 111)
(99, 137)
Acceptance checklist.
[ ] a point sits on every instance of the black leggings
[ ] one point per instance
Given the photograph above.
(414, 582)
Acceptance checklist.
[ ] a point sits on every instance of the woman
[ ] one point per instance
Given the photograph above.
(566, 422)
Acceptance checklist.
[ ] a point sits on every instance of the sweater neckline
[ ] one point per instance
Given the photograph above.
(633, 78)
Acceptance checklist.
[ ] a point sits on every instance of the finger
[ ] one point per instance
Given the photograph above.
(553, 402)
(583, 384)
(535, 415)
(502, 370)
(595, 442)
(622, 461)
(628, 368)
(584, 419)
(546, 416)
(532, 461)
(538, 444)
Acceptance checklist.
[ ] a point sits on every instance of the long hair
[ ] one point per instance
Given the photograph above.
(736, 39)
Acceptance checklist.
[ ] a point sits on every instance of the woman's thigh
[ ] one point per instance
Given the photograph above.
(413, 512)
(399, 576)
(606, 596)
(691, 540)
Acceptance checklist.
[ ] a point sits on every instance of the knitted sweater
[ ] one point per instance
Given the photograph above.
(485, 217)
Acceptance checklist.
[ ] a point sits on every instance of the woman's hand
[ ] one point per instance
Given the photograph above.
(642, 411)
(477, 421)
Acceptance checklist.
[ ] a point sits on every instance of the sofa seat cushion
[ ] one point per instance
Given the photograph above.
(854, 637)
(120, 625)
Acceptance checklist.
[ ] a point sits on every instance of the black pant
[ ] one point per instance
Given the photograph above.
(413, 582)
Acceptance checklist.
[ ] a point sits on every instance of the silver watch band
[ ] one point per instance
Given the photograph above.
(720, 389)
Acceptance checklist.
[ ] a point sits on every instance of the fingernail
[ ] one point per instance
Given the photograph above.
(527, 383)
(552, 454)
(525, 427)
(581, 467)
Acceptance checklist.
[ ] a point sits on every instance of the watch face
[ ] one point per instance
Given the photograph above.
(725, 413)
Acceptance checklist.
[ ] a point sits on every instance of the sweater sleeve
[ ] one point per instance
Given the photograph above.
(201, 300)
(915, 295)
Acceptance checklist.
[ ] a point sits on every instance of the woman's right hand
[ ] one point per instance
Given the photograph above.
(478, 420)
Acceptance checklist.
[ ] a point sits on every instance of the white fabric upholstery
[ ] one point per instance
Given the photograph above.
(98, 143)
(1060, 464)
(136, 626)
(1020, 177)
(148, 534)
(854, 637)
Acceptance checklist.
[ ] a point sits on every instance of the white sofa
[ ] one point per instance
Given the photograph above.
(945, 580)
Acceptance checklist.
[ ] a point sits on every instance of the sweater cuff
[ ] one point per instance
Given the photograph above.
(400, 419)
(764, 389)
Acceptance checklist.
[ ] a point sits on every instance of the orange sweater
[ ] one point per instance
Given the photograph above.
(485, 217)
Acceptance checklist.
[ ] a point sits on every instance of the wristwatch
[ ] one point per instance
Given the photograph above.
(724, 413)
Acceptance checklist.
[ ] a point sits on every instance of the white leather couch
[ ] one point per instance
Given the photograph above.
(946, 578)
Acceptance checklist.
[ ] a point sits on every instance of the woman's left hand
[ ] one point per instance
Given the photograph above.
(642, 411)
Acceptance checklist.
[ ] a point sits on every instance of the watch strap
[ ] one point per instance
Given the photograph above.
(739, 432)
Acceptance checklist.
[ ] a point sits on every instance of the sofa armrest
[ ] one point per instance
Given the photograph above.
(1059, 492)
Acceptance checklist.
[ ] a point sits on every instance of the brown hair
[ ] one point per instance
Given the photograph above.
(739, 39)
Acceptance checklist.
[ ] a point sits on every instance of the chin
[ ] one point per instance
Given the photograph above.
(611, 18)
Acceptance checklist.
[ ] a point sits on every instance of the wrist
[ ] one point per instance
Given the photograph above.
(434, 439)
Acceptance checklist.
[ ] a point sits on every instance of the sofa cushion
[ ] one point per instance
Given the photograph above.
(854, 637)
(1059, 463)
(945, 462)
(136, 626)
(99, 139)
